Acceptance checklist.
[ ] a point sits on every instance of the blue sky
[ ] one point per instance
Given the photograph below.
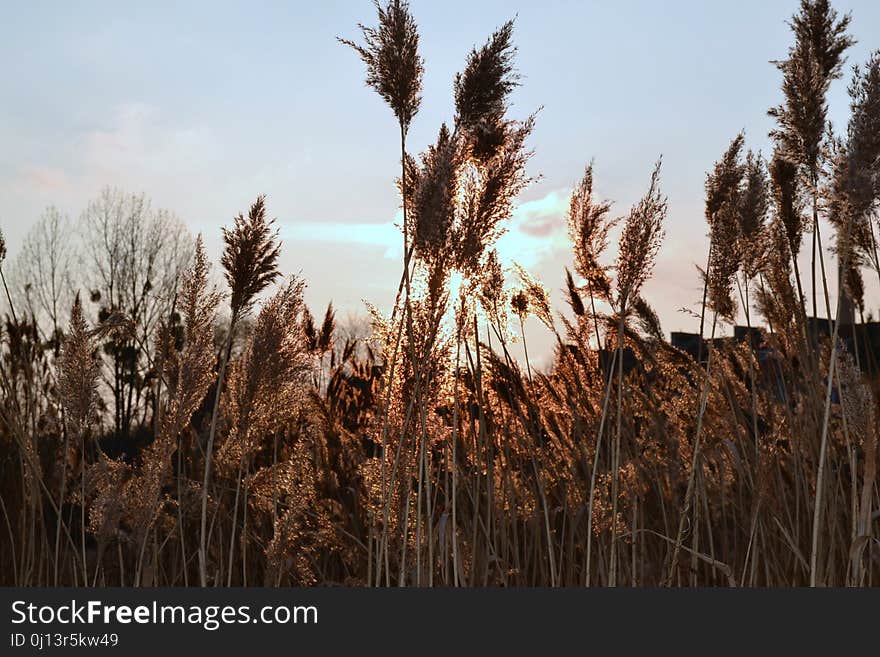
(204, 106)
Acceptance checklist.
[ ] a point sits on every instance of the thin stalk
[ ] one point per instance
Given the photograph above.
(209, 449)
(596, 464)
(704, 396)
(615, 457)
(823, 446)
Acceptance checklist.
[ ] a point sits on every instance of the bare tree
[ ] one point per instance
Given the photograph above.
(41, 272)
(132, 257)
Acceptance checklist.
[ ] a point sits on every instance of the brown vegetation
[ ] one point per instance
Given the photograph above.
(166, 445)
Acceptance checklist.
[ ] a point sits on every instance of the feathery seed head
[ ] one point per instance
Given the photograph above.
(491, 289)
(818, 27)
(538, 298)
(863, 135)
(588, 226)
(640, 241)
(391, 54)
(574, 296)
(433, 199)
(725, 205)
(723, 183)
(787, 201)
(328, 328)
(79, 369)
(489, 189)
(481, 90)
(815, 59)
(519, 302)
(754, 206)
(250, 257)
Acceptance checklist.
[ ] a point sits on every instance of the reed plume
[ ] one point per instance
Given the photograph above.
(262, 381)
(250, 261)
(493, 295)
(432, 209)
(394, 70)
(788, 206)
(589, 224)
(813, 62)
(753, 212)
(853, 189)
(639, 245)
(640, 242)
(189, 372)
(789, 215)
(78, 373)
(538, 297)
(250, 256)
(391, 55)
(482, 89)
(489, 189)
(724, 202)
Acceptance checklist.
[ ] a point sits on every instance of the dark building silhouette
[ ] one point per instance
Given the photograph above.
(607, 360)
(860, 340)
(689, 343)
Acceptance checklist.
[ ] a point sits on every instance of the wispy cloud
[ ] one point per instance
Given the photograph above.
(384, 236)
(535, 232)
(45, 179)
(135, 146)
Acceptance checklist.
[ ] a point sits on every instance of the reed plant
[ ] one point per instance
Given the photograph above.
(432, 449)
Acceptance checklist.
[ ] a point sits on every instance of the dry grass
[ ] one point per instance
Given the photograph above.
(265, 449)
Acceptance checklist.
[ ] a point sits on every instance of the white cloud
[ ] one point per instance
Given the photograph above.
(535, 232)
(385, 236)
(136, 146)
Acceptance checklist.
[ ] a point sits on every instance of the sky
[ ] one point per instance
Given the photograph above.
(204, 105)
